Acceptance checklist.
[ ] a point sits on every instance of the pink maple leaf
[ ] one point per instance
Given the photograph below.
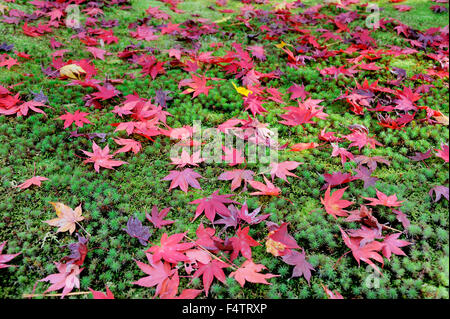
(35, 180)
(66, 278)
(443, 152)
(281, 170)
(79, 118)
(265, 189)
(384, 200)
(157, 218)
(102, 295)
(128, 145)
(4, 258)
(213, 204)
(101, 158)
(97, 53)
(183, 179)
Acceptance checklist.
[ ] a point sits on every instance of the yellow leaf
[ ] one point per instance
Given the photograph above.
(72, 71)
(281, 45)
(67, 217)
(274, 247)
(241, 90)
(223, 19)
(3, 8)
(442, 119)
(280, 6)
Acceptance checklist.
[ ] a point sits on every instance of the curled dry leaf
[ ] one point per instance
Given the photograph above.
(72, 71)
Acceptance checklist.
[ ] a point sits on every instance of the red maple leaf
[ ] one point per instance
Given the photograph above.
(265, 189)
(35, 180)
(101, 158)
(102, 295)
(302, 267)
(402, 7)
(197, 85)
(144, 33)
(4, 91)
(206, 238)
(171, 28)
(213, 204)
(443, 152)
(151, 66)
(332, 294)
(245, 215)
(108, 36)
(367, 234)
(209, 271)
(303, 146)
(170, 288)
(236, 176)
(361, 139)
(157, 219)
(249, 271)
(392, 245)
(334, 205)
(364, 253)
(128, 145)
(402, 218)
(97, 53)
(78, 117)
(371, 162)
(105, 92)
(254, 103)
(439, 191)
(418, 156)
(158, 273)
(170, 250)
(31, 31)
(10, 62)
(22, 110)
(342, 152)
(4, 258)
(243, 243)
(384, 200)
(337, 178)
(183, 179)
(298, 91)
(302, 114)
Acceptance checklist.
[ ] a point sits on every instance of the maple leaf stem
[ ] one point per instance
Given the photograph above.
(323, 146)
(387, 227)
(211, 254)
(334, 266)
(83, 229)
(79, 156)
(330, 44)
(285, 198)
(34, 287)
(56, 295)
(105, 249)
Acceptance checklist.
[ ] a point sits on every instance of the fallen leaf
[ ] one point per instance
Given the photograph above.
(67, 217)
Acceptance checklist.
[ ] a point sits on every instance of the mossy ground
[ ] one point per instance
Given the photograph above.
(110, 197)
